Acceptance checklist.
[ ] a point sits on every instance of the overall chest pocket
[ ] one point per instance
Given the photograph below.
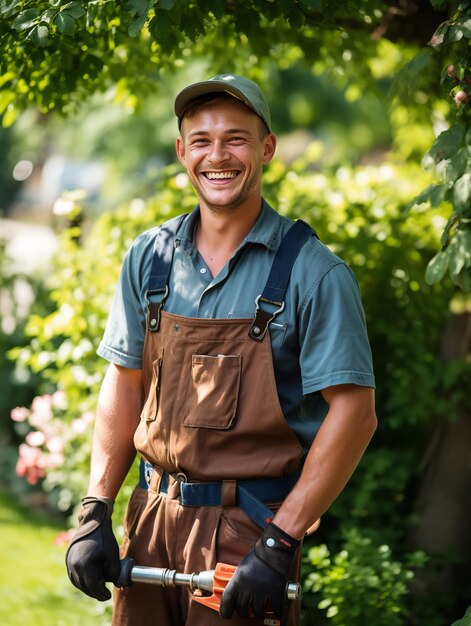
(213, 391)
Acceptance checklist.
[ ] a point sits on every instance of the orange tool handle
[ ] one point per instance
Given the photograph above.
(222, 575)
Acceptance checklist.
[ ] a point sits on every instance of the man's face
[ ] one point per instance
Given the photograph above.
(223, 151)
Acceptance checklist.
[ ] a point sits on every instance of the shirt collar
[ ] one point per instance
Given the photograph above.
(265, 231)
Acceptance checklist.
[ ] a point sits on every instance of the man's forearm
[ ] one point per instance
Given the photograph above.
(117, 417)
(332, 459)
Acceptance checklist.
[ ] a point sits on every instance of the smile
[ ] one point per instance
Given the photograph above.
(221, 175)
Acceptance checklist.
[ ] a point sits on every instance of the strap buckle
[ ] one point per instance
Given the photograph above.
(154, 308)
(263, 318)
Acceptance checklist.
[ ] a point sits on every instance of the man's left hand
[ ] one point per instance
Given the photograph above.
(259, 582)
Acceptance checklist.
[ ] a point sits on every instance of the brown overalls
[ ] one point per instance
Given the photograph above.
(212, 414)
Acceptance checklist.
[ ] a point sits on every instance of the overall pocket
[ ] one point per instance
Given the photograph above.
(149, 411)
(213, 391)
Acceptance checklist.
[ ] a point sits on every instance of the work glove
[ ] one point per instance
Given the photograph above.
(259, 581)
(93, 555)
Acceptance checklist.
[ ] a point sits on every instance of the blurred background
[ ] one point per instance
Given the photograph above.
(370, 102)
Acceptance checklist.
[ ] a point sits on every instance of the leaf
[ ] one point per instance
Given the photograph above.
(26, 19)
(39, 35)
(65, 23)
(136, 25)
(462, 192)
(5, 78)
(457, 165)
(467, 246)
(434, 194)
(161, 25)
(6, 98)
(75, 9)
(446, 233)
(467, 29)
(167, 5)
(459, 251)
(48, 15)
(436, 268)
(447, 143)
(9, 116)
(406, 79)
(139, 7)
(454, 33)
(9, 9)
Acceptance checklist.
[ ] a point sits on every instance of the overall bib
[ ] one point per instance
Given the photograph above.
(220, 457)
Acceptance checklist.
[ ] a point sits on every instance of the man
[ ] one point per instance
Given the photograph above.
(239, 369)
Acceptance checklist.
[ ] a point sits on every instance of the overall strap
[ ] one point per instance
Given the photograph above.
(160, 270)
(275, 288)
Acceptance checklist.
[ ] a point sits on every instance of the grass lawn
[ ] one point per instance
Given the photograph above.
(34, 587)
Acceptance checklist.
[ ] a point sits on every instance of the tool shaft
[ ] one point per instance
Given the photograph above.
(165, 577)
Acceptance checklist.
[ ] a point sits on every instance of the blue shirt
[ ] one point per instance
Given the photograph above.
(318, 340)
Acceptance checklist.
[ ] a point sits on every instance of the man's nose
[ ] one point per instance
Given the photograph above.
(218, 152)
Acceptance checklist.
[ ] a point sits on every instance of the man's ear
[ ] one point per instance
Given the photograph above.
(180, 150)
(269, 148)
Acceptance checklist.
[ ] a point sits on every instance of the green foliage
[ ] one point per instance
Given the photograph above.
(465, 621)
(57, 51)
(450, 155)
(359, 585)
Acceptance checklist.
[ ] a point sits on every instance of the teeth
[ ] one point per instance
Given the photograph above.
(219, 175)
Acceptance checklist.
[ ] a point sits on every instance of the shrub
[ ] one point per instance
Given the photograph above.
(359, 585)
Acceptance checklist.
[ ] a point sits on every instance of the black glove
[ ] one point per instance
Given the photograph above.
(259, 582)
(93, 555)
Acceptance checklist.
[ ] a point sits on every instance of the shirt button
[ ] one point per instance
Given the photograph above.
(203, 270)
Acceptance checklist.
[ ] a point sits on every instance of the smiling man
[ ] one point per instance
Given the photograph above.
(240, 371)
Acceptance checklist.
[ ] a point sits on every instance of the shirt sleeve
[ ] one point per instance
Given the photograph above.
(123, 340)
(333, 337)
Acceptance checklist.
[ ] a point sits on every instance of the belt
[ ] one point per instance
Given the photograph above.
(251, 495)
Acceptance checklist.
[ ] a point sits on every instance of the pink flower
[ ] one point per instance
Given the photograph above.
(28, 464)
(19, 414)
(35, 438)
(54, 444)
(35, 475)
(41, 410)
(21, 467)
(28, 454)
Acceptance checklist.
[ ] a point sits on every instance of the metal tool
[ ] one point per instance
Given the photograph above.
(212, 582)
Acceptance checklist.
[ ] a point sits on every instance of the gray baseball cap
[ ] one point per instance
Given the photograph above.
(237, 86)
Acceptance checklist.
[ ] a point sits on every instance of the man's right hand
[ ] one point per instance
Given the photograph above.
(93, 555)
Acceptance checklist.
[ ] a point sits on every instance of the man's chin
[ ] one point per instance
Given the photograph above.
(222, 204)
